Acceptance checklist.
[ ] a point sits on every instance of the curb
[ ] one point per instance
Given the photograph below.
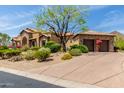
(49, 79)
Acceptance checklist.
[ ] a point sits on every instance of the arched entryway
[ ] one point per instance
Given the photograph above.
(24, 41)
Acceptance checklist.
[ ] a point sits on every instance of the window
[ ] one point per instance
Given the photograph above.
(30, 35)
(48, 38)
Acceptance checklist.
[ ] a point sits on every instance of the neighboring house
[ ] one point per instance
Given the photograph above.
(33, 37)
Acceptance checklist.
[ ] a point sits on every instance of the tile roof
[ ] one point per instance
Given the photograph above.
(16, 38)
(30, 30)
(96, 33)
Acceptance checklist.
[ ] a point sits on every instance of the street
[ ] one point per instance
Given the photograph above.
(8, 80)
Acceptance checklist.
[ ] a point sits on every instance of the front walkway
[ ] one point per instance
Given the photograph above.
(96, 69)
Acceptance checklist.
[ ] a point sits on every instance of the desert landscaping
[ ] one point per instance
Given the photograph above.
(67, 53)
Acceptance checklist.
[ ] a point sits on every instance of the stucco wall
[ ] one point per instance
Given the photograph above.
(54, 38)
(24, 34)
(36, 36)
(73, 41)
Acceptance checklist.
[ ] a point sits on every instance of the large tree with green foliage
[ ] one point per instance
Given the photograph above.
(62, 20)
(4, 39)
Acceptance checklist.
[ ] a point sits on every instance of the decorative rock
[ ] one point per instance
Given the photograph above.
(16, 58)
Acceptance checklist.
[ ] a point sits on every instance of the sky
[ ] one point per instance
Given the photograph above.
(102, 18)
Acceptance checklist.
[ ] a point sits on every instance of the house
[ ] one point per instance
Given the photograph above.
(32, 37)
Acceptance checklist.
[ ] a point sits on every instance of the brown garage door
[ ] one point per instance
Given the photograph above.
(104, 46)
(89, 43)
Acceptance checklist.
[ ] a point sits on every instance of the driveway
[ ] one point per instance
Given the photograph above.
(101, 69)
(104, 69)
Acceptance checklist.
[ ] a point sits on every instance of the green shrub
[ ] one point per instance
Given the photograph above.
(34, 48)
(49, 43)
(9, 53)
(1, 53)
(83, 48)
(120, 44)
(42, 54)
(12, 52)
(3, 47)
(54, 47)
(66, 56)
(28, 55)
(25, 48)
(75, 52)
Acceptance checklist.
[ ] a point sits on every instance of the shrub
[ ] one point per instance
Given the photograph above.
(18, 46)
(49, 43)
(66, 56)
(34, 48)
(28, 55)
(7, 53)
(54, 47)
(120, 44)
(12, 52)
(3, 47)
(25, 48)
(75, 52)
(1, 53)
(42, 54)
(83, 48)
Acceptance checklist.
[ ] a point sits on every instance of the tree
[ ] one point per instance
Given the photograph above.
(62, 20)
(4, 39)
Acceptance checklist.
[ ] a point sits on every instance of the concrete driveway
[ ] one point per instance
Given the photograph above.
(101, 69)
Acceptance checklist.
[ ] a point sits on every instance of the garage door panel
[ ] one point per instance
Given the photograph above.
(89, 43)
(104, 47)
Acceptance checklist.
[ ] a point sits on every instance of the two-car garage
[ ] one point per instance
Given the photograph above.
(91, 44)
(90, 38)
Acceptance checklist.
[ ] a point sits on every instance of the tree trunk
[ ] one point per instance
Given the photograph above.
(63, 44)
(64, 47)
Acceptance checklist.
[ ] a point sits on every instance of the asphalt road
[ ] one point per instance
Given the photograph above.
(8, 80)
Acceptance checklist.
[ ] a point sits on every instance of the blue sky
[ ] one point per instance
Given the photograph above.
(100, 18)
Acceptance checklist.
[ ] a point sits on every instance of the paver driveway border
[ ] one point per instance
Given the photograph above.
(48, 79)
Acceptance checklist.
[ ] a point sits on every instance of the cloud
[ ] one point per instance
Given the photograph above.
(4, 21)
(4, 24)
(112, 19)
(9, 21)
(24, 14)
(97, 7)
(18, 26)
(17, 15)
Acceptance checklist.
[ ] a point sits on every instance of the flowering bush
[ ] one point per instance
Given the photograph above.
(18, 46)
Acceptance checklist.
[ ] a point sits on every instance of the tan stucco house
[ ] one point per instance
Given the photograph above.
(32, 37)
